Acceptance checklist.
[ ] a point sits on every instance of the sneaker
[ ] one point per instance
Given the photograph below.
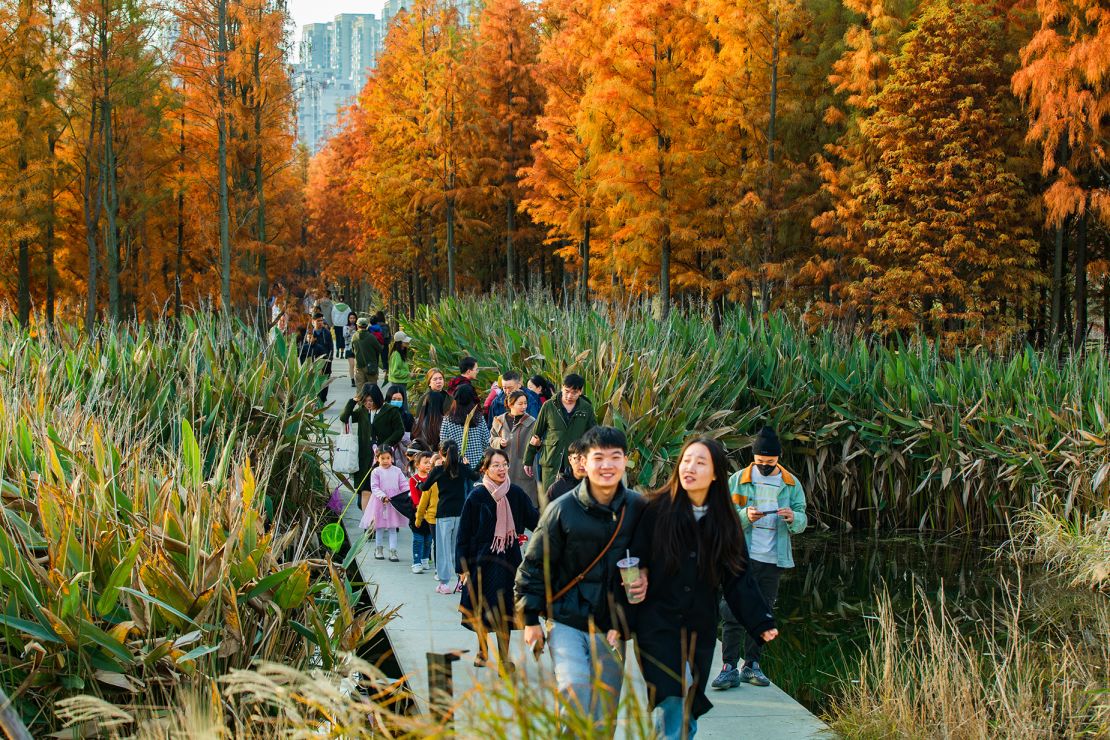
(353, 383)
(750, 673)
(417, 568)
(393, 557)
(379, 553)
(729, 678)
(444, 589)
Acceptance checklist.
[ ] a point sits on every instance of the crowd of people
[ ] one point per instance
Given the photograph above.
(518, 502)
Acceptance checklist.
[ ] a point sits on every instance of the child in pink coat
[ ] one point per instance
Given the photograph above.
(386, 481)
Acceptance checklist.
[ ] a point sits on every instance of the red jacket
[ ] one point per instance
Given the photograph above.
(414, 491)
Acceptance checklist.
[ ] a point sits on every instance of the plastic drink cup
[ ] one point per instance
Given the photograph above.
(630, 573)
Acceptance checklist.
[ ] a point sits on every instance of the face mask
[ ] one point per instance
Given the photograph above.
(766, 470)
(398, 404)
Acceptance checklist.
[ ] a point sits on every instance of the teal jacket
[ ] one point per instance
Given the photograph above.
(790, 497)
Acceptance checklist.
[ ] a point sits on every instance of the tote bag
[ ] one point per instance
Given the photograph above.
(345, 459)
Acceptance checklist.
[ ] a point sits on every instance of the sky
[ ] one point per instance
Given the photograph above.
(320, 11)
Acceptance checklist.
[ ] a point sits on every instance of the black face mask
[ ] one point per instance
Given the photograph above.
(767, 470)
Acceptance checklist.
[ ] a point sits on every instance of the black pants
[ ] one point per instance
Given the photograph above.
(767, 576)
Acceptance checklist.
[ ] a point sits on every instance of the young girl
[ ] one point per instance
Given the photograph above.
(450, 475)
(422, 526)
(386, 481)
(690, 542)
(487, 553)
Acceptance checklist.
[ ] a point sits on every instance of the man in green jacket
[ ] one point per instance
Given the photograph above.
(772, 507)
(562, 420)
(368, 351)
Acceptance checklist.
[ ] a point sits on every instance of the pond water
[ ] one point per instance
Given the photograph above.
(826, 600)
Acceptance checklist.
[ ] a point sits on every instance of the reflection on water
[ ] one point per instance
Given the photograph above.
(824, 603)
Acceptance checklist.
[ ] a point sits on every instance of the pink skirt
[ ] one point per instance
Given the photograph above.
(381, 515)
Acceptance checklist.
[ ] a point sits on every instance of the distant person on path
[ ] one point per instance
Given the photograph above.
(349, 330)
(563, 419)
(378, 425)
(689, 541)
(367, 354)
(378, 324)
(772, 507)
(325, 306)
(320, 346)
(570, 576)
(399, 372)
(423, 525)
(450, 475)
(487, 554)
(429, 414)
(386, 482)
(571, 476)
(510, 434)
(465, 419)
(468, 372)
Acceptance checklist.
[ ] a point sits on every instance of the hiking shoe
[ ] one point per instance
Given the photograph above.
(751, 674)
(379, 553)
(444, 589)
(417, 568)
(393, 557)
(729, 678)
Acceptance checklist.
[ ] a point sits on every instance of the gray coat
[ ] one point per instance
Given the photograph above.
(515, 436)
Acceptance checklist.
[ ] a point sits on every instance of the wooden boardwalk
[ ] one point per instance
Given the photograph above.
(429, 622)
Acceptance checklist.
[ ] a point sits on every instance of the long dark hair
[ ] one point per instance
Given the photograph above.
(721, 550)
(449, 451)
(547, 390)
(400, 347)
(466, 398)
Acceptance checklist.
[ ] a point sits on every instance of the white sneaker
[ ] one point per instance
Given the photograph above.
(417, 568)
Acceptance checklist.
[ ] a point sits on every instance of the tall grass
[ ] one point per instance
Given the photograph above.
(138, 560)
(896, 435)
(1078, 548)
(931, 674)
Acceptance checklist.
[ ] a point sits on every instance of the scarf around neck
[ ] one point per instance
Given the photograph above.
(504, 529)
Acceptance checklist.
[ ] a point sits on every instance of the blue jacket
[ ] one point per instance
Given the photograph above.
(791, 496)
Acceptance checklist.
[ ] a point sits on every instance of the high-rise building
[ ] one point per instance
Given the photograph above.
(335, 60)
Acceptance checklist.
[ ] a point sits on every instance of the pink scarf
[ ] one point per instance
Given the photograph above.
(504, 530)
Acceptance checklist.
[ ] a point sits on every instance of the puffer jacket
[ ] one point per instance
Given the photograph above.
(570, 534)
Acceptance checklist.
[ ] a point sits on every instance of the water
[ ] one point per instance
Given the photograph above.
(825, 602)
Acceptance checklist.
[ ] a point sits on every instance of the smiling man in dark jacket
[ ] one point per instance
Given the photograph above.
(579, 539)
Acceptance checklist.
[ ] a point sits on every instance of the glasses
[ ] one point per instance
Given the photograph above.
(498, 466)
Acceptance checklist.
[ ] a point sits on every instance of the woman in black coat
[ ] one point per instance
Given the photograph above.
(693, 548)
(378, 424)
(487, 553)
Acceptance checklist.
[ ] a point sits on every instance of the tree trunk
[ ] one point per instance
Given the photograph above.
(1080, 337)
(584, 286)
(221, 155)
(1059, 258)
(92, 219)
(769, 236)
(51, 273)
(180, 256)
(260, 195)
(510, 213)
(24, 261)
(109, 193)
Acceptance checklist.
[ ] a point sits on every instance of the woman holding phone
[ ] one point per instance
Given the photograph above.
(691, 542)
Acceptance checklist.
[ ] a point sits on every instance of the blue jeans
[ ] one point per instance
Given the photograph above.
(447, 531)
(421, 547)
(587, 673)
(670, 720)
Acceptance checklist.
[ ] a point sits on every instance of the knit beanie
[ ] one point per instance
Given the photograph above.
(766, 443)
